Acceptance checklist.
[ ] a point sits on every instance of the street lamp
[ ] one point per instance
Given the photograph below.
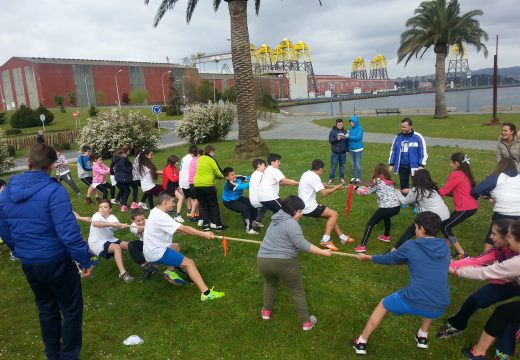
(117, 89)
(162, 85)
(216, 59)
(86, 89)
(468, 85)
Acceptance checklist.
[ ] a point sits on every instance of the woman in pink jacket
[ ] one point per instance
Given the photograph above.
(99, 171)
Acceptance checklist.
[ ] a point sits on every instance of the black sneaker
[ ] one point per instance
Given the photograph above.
(206, 227)
(448, 331)
(422, 342)
(148, 271)
(361, 348)
(468, 353)
(221, 227)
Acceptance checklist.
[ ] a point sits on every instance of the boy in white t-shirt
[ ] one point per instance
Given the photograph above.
(268, 193)
(259, 166)
(310, 184)
(101, 238)
(158, 247)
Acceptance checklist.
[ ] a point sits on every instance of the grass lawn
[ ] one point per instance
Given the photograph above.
(341, 292)
(454, 127)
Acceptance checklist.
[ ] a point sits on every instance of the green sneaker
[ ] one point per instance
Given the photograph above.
(173, 278)
(212, 295)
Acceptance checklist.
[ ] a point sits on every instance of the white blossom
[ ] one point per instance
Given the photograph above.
(206, 122)
(6, 161)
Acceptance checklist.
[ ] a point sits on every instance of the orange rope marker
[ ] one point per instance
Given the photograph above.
(225, 245)
(349, 200)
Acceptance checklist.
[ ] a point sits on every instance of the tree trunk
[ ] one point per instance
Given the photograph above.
(440, 85)
(250, 143)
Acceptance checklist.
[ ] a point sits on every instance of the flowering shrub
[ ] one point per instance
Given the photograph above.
(206, 122)
(6, 160)
(109, 131)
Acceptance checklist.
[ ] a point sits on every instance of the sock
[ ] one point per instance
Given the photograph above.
(421, 333)
(343, 237)
(326, 238)
(207, 292)
(361, 340)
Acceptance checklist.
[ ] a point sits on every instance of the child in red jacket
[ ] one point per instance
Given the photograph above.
(170, 183)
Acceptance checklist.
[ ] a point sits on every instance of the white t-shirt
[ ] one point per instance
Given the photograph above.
(184, 172)
(254, 188)
(98, 236)
(270, 184)
(158, 233)
(133, 230)
(310, 184)
(147, 182)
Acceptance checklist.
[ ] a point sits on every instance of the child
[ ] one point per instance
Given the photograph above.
(158, 246)
(147, 175)
(387, 202)
(191, 179)
(85, 172)
(310, 183)
(494, 291)
(63, 171)
(123, 175)
(136, 184)
(428, 294)
(355, 149)
(277, 259)
(101, 238)
(184, 174)
(254, 186)
(232, 199)
(459, 185)
(170, 183)
(135, 248)
(99, 171)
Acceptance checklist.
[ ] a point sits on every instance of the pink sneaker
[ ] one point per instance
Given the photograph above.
(266, 314)
(135, 205)
(310, 324)
(384, 238)
(124, 208)
(360, 249)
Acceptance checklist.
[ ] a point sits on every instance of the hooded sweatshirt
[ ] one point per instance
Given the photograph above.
(36, 220)
(283, 238)
(355, 135)
(429, 202)
(505, 191)
(428, 260)
(122, 169)
(338, 146)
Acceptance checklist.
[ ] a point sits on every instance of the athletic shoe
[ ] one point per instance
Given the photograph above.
(212, 295)
(309, 324)
(500, 355)
(448, 331)
(404, 206)
(259, 224)
(342, 181)
(251, 232)
(361, 348)
(330, 181)
(213, 226)
(193, 218)
(115, 201)
(126, 277)
(384, 238)
(422, 342)
(200, 223)
(414, 210)
(143, 206)
(178, 218)
(346, 241)
(328, 245)
(468, 353)
(353, 180)
(94, 259)
(173, 278)
(135, 205)
(266, 314)
(358, 181)
(124, 208)
(221, 227)
(89, 201)
(12, 257)
(206, 228)
(460, 256)
(360, 249)
(148, 271)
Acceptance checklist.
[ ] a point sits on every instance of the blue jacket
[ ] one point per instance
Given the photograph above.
(338, 146)
(428, 260)
(355, 135)
(233, 190)
(36, 220)
(408, 149)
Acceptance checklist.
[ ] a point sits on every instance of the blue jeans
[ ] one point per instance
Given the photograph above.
(334, 159)
(355, 164)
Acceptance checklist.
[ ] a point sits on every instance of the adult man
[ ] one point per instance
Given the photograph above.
(36, 220)
(310, 184)
(408, 153)
(339, 147)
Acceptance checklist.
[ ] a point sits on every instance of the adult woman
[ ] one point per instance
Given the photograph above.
(509, 145)
(123, 174)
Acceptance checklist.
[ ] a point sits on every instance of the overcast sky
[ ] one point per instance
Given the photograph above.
(336, 33)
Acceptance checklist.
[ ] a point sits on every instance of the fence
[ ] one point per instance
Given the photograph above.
(60, 137)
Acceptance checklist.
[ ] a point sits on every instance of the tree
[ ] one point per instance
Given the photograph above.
(438, 23)
(58, 100)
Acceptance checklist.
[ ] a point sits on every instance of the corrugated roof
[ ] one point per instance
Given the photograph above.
(40, 60)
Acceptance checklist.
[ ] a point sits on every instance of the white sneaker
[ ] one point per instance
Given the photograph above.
(143, 205)
(252, 232)
(179, 219)
(114, 201)
(200, 223)
(259, 224)
(213, 226)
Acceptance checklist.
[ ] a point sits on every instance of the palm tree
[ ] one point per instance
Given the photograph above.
(438, 23)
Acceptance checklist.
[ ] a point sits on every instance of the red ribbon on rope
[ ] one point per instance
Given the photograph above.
(349, 200)
(225, 245)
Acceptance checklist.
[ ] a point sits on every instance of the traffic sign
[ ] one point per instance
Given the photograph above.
(42, 117)
(156, 109)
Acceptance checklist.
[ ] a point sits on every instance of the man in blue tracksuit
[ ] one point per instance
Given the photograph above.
(37, 222)
(339, 146)
(355, 149)
(408, 153)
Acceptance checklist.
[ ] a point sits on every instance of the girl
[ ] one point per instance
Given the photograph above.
(136, 183)
(123, 175)
(170, 183)
(101, 238)
(509, 145)
(425, 194)
(63, 171)
(493, 292)
(191, 177)
(277, 259)
(147, 175)
(503, 186)
(99, 171)
(387, 201)
(459, 185)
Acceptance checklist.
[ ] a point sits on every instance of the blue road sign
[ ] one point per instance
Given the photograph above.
(156, 109)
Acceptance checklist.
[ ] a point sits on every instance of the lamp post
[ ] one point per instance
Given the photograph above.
(162, 85)
(216, 59)
(468, 85)
(86, 89)
(117, 89)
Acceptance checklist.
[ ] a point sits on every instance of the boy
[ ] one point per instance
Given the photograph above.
(232, 199)
(310, 184)
(158, 247)
(254, 184)
(85, 172)
(270, 184)
(428, 295)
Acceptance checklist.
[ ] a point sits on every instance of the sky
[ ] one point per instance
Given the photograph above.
(336, 32)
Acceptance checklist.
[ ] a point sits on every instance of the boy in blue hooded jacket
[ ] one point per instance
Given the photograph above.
(355, 148)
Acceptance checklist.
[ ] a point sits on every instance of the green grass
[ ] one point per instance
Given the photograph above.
(175, 324)
(454, 127)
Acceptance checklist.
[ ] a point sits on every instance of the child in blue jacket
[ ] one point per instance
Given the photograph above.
(355, 149)
(232, 199)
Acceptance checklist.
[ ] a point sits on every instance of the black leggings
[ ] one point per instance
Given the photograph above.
(455, 219)
(243, 206)
(408, 234)
(208, 204)
(503, 325)
(135, 189)
(104, 189)
(135, 249)
(381, 214)
(124, 192)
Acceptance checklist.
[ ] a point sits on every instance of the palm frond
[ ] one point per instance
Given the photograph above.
(192, 4)
(257, 6)
(216, 4)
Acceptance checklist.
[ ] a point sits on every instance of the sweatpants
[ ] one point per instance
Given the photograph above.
(209, 210)
(384, 214)
(68, 179)
(124, 192)
(482, 298)
(135, 189)
(273, 205)
(455, 219)
(104, 189)
(503, 325)
(404, 176)
(243, 206)
(287, 270)
(261, 212)
(135, 249)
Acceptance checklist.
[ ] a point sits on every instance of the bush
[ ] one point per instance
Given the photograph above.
(229, 95)
(3, 118)
(11, 150)
(24, 118)
(206, 122)
(125, 99)
(58, 100)
(49, 117)
(6, 160)
(266, 102)
(139, 97)
(92, 111)
(110, 130)
(71, 96)
(13, 131)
